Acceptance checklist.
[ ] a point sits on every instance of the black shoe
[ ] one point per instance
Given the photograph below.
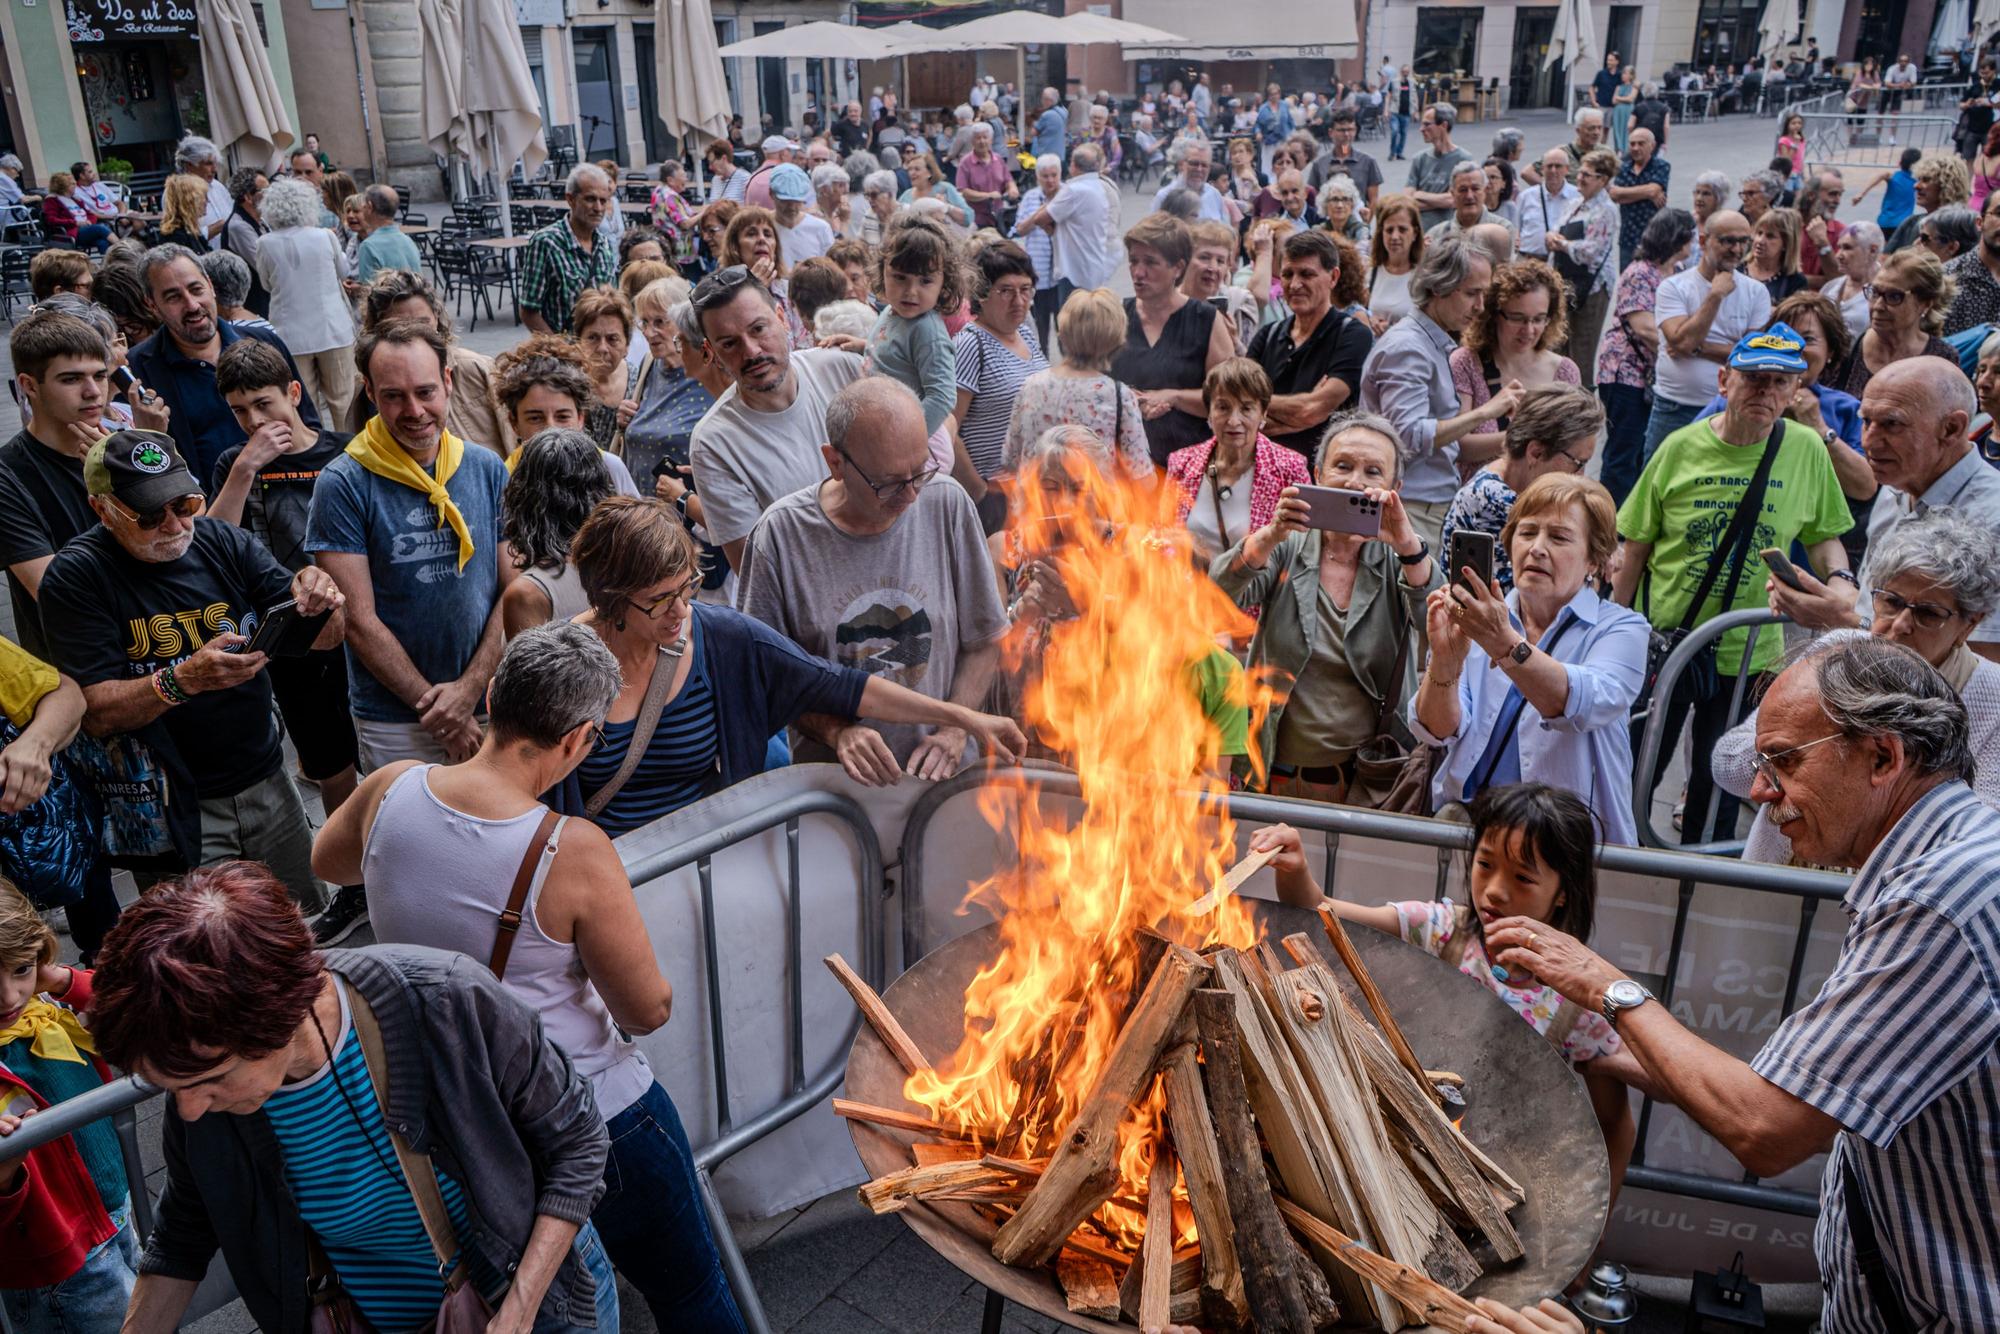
(348, 910)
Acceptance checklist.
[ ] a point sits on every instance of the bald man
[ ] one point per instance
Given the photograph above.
(1914, 416)
(882, 566)
(1495, 238)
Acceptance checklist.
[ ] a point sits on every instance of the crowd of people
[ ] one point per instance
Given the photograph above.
(745, 496)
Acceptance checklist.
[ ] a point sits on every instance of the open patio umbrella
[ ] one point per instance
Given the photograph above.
(1087, 28)
(245, 112)
(1575, 44)
(824, 41)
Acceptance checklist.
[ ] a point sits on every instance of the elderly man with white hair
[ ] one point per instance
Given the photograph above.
(984, 179)
(1543, 206)
(568, 255)
(1084, 219)
(1193, 159)
(1468, 206)
(1589, 124)
(196, 156)
(11, 207)
(830, 186)
(1051, 126)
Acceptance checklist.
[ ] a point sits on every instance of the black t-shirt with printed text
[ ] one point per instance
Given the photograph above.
(276, 506)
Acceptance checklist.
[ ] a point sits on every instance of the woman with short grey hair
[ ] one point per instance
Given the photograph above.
(1950, 232)
(1930, 582)
(829, 187)
(1986, 384)
(303, 268)
(1341, 203)
(878, 192)
(1858, 253)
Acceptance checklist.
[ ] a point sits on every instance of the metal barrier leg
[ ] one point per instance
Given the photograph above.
(996, 1307)
(734, 1267)
(126, 1124)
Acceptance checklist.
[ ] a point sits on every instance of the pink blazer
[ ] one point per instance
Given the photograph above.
(1272, 469)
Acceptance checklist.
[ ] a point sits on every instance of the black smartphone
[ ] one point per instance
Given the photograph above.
(285, 632)
(1336, 510)
(1780, 565)
(1473, 548)
(123, 379)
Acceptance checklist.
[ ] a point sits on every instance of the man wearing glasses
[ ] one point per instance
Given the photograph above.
(1914, 417)
(1701, 313)
(152, 612)
(882, 566)
(1863, 760)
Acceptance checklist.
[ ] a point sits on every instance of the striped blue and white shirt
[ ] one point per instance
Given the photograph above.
(349, 1188)
(1902, 1047)
(681, 761)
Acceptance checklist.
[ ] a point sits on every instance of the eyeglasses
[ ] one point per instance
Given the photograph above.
(651, 610)
(1515, 317)
(890, 490)
(1575, 464)
(718, 287)
(1929, 615)
(187, 507)
(1732, 241)
(1767, 765)
(1888, 296)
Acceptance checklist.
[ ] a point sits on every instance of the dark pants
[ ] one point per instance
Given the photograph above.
(1712, 717)
(1399, 132)
(653, 1223)
(1625, 414)
(92, 916)
(1048, 301)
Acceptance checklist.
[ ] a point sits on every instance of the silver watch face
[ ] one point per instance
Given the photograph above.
(1624, 992)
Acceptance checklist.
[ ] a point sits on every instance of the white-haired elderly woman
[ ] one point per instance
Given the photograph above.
(1931, 581)
(1986, 383)
(1341, 203)
(878, 193)
(303, 268)
(984, 179)
(1340, 614)
(1711, 192)
(1858, 254)
(830, 198)
(1104, 133)
(199, 157)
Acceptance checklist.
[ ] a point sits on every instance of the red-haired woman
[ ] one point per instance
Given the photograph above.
(297, 1079)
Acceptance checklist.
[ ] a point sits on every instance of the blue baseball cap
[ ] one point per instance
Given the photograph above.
(791, 184)
(1778, 348)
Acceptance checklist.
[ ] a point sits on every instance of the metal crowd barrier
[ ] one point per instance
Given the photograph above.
(117, 1098)
(1876, 138)
(1687, 868)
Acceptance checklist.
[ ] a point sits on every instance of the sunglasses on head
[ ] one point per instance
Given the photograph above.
(719, 287)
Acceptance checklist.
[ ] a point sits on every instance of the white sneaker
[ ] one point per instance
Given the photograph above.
(1892, 141)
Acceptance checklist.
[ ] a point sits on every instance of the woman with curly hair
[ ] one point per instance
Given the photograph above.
(559, 477)
(1942, 181)
(1906, 308)
(1510, 342)
(542, 383)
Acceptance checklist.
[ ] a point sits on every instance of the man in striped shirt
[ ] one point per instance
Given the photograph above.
(1863, 753)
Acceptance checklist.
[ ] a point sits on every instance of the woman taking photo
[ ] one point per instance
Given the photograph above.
(1393, 256)
(705, 688)
(1906, 308)
(927, 182)
(1631, 344)
(303, 268)
(1079, 390)
(1551, 645)
(1774, 253)
(1171, 343)
(996, 353)
(1512, 337)
(557, 481)
(1230, 483)
(439, 845)
(1339, 615)
(1858, 253)
(270, 1050)
(1554, 431)
(1596, 250)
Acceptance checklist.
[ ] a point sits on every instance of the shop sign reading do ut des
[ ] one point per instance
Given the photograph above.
(111, 20)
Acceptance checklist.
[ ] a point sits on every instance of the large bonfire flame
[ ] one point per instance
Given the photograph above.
(1113, 690)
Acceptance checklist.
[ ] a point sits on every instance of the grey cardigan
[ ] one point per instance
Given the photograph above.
(1376, 619)
(515, 1126)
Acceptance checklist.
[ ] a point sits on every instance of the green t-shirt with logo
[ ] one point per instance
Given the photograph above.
(1683, 505)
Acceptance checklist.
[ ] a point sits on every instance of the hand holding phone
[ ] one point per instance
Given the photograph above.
(1782, 569)
(1335, 510)
(1474, 549)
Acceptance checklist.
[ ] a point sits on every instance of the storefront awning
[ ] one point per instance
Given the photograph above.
(1267, 30)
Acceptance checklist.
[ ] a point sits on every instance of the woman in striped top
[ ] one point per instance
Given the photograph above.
(718, 685)
(996, 352)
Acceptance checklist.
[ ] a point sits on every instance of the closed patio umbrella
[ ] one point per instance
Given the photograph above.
(1774, 29)
(479, 101)
(245, 112)
(693, 96)
(1574, 43)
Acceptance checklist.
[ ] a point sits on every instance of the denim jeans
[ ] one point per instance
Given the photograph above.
(654, 1225)
(1625, 414)
(1399, 131)
(589, 1249)
(90, 1301)
(1667, 417)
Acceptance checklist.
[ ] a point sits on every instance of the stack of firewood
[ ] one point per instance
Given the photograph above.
(1306, 1145)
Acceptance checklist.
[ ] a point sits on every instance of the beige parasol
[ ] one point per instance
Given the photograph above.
(245, 112)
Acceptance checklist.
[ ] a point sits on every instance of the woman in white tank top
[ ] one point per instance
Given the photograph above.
(440, 848)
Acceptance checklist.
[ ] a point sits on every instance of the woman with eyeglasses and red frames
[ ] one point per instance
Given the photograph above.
(1931, 581)
(1906, 309)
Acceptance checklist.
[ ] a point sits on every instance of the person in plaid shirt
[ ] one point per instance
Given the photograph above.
(567, 256)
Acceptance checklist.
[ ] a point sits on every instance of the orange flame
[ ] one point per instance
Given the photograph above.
(1113, 691)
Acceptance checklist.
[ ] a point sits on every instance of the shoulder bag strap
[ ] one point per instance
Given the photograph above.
(1735, 544)
(1868, 1255)
(418, 1174)
(1479, 781)
(650, 709)
(541, 850)
(1117, 414)
(1392, 693)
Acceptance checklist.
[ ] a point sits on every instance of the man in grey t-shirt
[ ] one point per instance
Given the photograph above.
(881, 566)
(1430, 170)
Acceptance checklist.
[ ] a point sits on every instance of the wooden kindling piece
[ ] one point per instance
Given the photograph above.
(878, 1016)
(1377, 1006)
(1434, 1303)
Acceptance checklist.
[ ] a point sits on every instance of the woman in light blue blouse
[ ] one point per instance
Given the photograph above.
(927, 182)
(1535, 685)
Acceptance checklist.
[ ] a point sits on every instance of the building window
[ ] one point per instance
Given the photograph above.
(1447, 41)
(1726, 31)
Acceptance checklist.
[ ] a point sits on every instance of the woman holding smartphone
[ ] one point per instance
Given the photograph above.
(1339, 610)
(1551, 646)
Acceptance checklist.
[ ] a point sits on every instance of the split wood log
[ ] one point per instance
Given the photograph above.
(1320, 1306)
(1184, 1307)
(896, 1191)
(1223, 1302)
(929, 1153)
(1270, 1281)
(878, 1016)
(1451, 1077)
(1384, 1018)
(1233, 881)
(894, 1119)
(1090, 1286)
(1437, 1304)
(1156, 1254)
(1083, 1170)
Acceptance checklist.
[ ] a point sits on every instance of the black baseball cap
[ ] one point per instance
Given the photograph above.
(141, 470)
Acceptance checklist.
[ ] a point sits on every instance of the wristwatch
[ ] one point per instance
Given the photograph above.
(1622, 995)
(1520, 653)
(1423, 553)
(1848, 575)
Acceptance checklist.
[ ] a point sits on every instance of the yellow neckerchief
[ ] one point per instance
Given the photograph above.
(377, 451)
(55, 1033)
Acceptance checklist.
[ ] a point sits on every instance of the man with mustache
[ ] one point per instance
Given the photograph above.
(761, 440)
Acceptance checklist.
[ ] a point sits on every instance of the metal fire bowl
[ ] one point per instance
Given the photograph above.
(1529, 1111)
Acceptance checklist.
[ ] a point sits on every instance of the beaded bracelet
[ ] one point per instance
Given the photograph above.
(168, 688)
(160, 687)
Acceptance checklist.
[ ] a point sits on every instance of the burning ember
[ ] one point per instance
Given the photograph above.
(1133, 1052)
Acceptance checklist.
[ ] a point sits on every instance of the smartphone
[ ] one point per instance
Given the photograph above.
(1339, 511)
(122, 379)
(1473, 548)
(284, 632)
(1221, 304)
(1781, 566)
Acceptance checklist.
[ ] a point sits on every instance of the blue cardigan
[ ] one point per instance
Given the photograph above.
(762, 682)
